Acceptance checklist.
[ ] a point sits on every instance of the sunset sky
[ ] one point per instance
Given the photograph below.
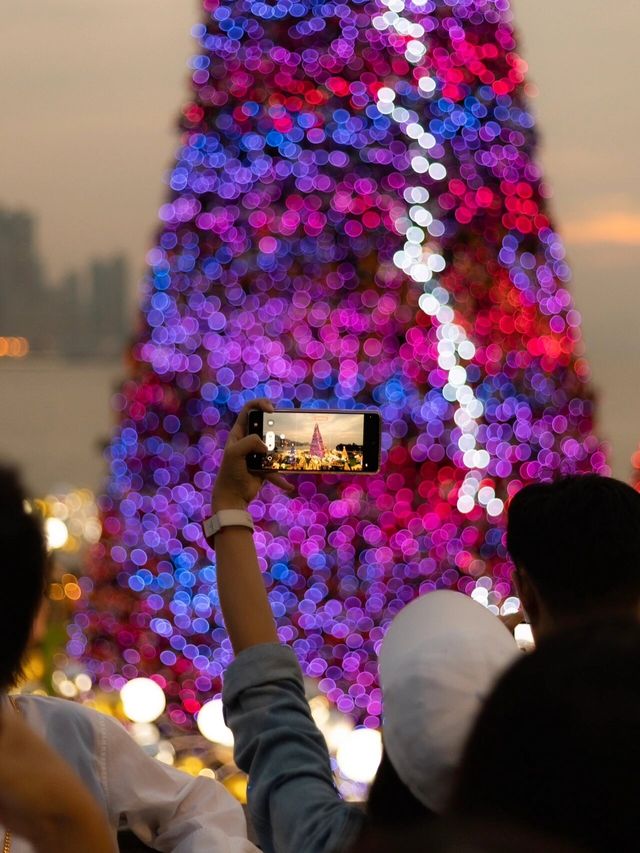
(91, 90)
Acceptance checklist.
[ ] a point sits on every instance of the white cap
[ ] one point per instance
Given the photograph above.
(439, 660)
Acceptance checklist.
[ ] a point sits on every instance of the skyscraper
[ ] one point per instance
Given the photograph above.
(73, 334)
(107, 308)
(21, 279)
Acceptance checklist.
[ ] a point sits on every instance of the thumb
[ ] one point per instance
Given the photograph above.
(249, 444)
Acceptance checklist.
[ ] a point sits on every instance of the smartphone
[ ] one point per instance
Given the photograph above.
(317, 441)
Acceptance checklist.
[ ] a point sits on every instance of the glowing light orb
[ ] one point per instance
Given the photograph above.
(359, 754)
(56, 532)
(211, 724)
(143, 701)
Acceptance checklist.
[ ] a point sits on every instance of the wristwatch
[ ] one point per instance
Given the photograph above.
(225, 518)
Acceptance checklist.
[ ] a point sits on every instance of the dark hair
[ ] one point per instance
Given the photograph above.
(557, 746)
(579, 541)
(390, 803)
(453, 836)
(23, 557)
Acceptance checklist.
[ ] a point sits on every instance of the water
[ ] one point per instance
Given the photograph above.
(55, 419)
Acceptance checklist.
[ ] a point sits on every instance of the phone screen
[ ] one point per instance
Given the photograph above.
(317, 441)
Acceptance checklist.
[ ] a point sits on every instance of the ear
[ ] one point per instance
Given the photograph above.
(528, 595)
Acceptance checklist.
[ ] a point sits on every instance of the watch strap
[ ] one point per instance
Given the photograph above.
(226, 518)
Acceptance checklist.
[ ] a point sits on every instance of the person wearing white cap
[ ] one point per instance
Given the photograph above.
(439, 659)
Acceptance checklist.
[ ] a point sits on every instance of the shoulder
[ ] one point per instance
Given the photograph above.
(74, 731)
(50, 708)
(62, 716)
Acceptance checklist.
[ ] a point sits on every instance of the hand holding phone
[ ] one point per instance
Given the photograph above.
(235, 485)
(316, 441)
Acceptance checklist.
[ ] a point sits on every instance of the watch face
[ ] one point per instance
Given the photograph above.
(210, 527)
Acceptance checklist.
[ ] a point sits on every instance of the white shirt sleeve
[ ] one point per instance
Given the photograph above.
(167, 809)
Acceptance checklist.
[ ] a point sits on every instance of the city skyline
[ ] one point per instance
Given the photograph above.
(82, 313)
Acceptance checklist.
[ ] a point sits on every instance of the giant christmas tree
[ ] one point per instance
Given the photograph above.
(356, 217)
(317, 447)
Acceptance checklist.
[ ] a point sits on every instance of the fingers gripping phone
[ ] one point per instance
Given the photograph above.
(316, 441)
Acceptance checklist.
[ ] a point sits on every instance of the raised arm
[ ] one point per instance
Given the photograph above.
(243, 597)
(293, 801)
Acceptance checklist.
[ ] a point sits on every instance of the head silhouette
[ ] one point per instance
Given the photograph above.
(23, 561)
(557, 745)
(576, 547)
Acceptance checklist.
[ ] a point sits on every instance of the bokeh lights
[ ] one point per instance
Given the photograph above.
(356, 218)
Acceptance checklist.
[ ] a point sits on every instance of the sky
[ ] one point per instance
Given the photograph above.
(91, 90)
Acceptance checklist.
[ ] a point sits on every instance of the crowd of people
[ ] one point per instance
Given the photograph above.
(486, 749)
